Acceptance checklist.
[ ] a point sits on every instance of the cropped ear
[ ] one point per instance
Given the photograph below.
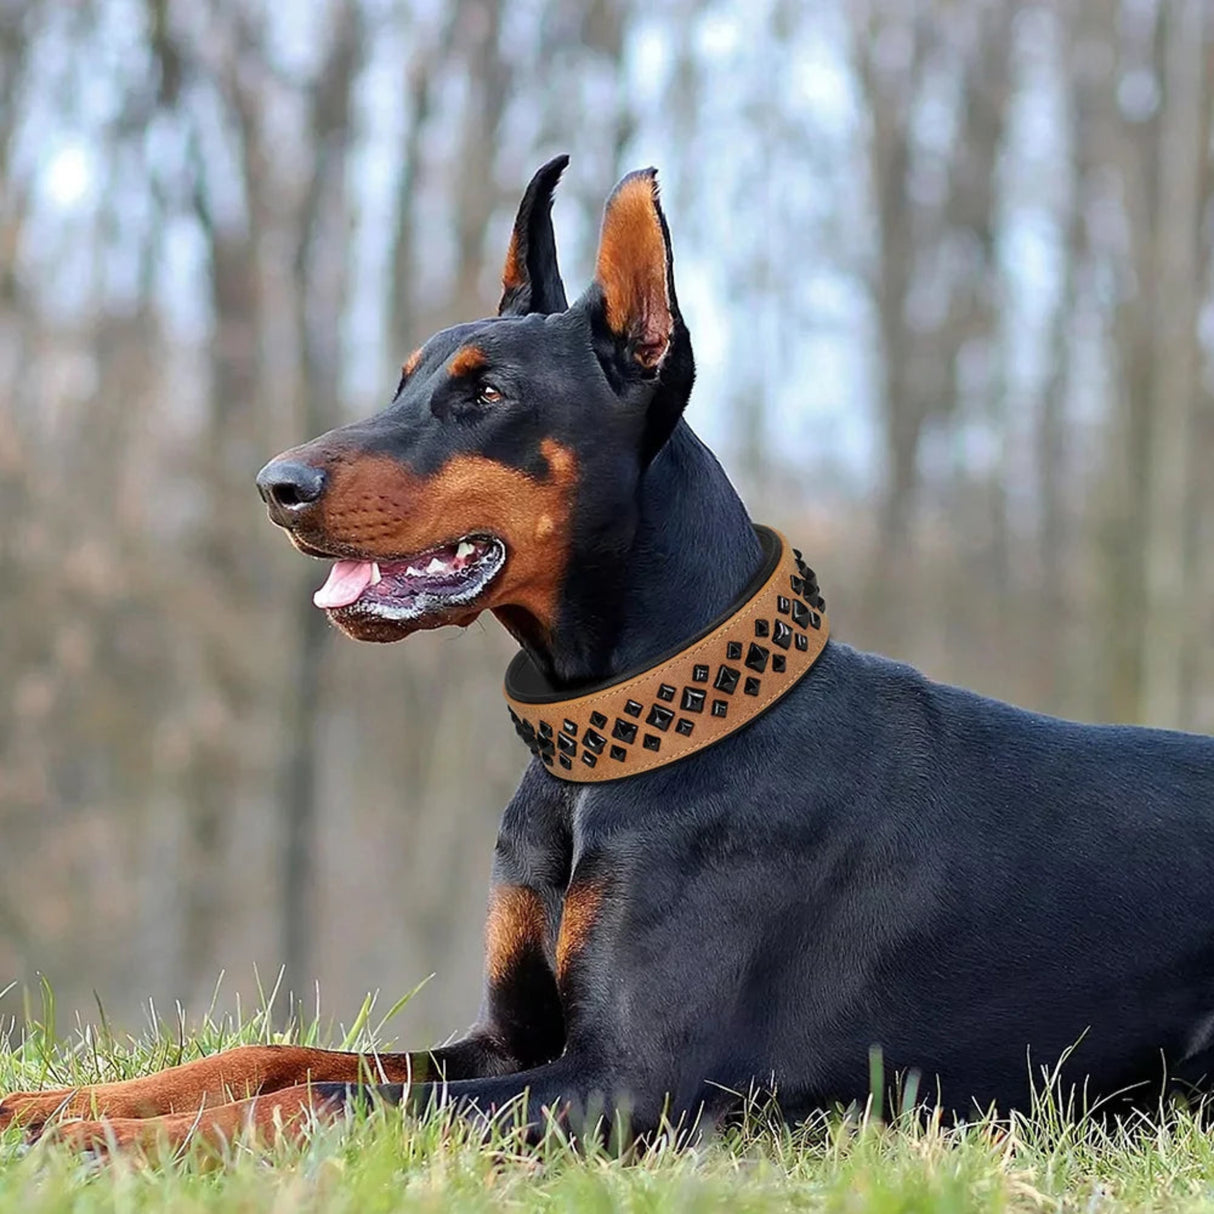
(641, 330)
(531, 279)
(633, 271)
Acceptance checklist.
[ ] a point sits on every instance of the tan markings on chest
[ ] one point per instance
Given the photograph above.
(583, 907)
(515, 926)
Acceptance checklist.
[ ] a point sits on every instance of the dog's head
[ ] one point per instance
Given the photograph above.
(514, 445)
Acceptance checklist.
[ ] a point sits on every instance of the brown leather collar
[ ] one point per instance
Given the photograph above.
(712, 687)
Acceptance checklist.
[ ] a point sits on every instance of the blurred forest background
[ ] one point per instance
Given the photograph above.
(948, 270)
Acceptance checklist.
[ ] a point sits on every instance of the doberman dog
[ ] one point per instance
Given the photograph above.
(874, 861)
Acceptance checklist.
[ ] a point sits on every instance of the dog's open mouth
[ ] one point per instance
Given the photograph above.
(410, 588)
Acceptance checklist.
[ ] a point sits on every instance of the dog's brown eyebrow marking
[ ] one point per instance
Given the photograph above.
(411, 363)
(467, 360)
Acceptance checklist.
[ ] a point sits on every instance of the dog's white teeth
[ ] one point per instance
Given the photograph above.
(436, 566)
(465, 549)
(411, 572)
(376, 576)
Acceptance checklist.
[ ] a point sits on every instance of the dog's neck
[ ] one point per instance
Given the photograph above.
(691, 553)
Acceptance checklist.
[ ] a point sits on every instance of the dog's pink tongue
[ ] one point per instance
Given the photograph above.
(347, 580)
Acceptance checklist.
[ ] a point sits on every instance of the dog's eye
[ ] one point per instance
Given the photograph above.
(488, 395)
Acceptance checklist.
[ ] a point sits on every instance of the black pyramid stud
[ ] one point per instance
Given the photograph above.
(800, 614)
(699, 673)
(781, 635)
(684, 727)
(565, 744)
(659, 717)
(566, 762)
(598, 720)
(545, 730)
(815, 620)
(624, 731)
(761, 628)
(618, 753)
(720, 708)
(588, 758)
(594, 741)
(753, 687)
(802, 642)
(778, 663)
(727, 679)
(570, 728)
(652, 742)
(783, 606)
(632, 708)
(733, 651)
(797, 584)
(756, 657)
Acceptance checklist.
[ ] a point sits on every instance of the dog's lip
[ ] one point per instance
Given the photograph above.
(344, 552)
(408, 589)
(320, 554)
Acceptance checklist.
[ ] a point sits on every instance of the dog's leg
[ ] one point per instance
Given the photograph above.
(284, 1086)
(266, 1118)
(521, 1024)
(566, 1090)
(234, 1074)
(252, 1070)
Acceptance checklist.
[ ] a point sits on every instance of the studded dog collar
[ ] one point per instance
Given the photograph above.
(712, 687)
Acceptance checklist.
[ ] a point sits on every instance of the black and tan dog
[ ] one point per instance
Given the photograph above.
(741, 856)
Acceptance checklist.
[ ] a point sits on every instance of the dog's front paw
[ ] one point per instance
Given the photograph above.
(32, 1110)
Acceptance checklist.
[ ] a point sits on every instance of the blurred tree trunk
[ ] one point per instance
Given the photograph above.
(1055, 671)
(212, 777)
(889, 95)
(206, 726)
(1110, 155)
(477, 195)
(405, 317)
(933, 282)
(17, 466)
(1155, 154)
(319, 289)
(1174, 391)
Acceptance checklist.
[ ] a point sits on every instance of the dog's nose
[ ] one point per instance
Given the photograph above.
(289, 486)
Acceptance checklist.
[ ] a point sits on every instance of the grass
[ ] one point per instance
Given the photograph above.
(387, 1162)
